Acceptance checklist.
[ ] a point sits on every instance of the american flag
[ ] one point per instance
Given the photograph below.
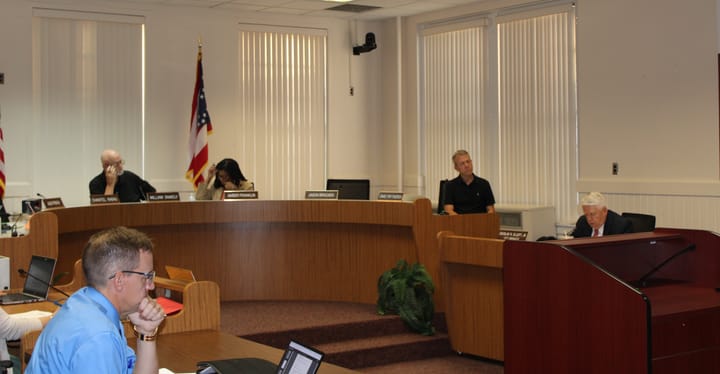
(200, 128)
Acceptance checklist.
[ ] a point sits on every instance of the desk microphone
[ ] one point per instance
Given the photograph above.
(143, 196)
(25, 273)
(13, 228)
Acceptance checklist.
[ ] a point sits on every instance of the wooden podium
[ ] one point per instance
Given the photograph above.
(575, 306)
(472, 278)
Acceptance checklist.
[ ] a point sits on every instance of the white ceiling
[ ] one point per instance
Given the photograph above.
(388, 8)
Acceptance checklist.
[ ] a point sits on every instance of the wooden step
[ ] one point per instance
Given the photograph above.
(376, 351)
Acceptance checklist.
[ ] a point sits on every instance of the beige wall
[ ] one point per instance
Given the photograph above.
(171, 37)
(647, 96)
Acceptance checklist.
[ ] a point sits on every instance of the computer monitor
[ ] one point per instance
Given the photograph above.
(352, 189)
(4, 216)
(441, 197)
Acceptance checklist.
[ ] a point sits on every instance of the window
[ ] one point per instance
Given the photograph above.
(88, 95)
(282, 85)
(518, 120)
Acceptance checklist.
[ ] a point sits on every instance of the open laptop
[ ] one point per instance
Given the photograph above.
(298, 359)
(37, 282)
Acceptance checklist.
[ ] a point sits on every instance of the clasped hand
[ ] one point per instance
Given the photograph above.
(148, 316)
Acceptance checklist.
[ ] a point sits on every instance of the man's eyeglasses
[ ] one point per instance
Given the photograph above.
(117, 163)
(149, 276)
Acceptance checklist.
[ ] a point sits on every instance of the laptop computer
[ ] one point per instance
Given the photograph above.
(37, 282)
(298, 359)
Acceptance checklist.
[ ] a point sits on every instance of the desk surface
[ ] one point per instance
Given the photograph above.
(180, 352)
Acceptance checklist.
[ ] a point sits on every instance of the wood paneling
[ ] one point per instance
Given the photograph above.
(42, 242)
(577, 306)
(280, 250)
(472, 278)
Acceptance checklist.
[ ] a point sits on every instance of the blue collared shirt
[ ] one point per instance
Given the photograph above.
(85, 336)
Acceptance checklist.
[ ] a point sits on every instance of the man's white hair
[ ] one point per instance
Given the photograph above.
(593, 199)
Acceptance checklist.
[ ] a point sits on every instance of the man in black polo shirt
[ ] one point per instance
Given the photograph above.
(467, 193)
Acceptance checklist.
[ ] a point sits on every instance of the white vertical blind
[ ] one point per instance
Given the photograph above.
(536, 105)
(87, 89)
(519, 121)
(282, 104)
(453, 92)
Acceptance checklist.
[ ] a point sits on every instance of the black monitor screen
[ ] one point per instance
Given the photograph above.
(353, 189)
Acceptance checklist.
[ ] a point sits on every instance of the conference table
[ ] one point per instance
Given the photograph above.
(332, 250)
(175, 354)
(180, 352)
(185, 338)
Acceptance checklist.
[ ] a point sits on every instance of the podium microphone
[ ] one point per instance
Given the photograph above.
(143, 196)
(25, 273)
(41, 195)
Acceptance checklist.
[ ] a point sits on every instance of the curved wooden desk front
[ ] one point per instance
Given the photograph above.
(41, 242)
(280, 250)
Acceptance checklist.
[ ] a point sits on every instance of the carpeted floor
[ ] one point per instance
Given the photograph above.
(261, 318)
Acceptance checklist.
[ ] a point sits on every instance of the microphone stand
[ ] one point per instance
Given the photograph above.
(643, 280)
(13, 228)
(23, 272)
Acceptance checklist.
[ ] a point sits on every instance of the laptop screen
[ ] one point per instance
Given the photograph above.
(300, 359)
(39, 276)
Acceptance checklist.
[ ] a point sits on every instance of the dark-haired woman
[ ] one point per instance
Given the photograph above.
(226, 175)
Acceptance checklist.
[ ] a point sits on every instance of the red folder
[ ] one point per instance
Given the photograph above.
(169, 306)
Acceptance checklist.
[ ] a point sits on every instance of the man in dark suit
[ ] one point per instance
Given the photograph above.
(598, 220)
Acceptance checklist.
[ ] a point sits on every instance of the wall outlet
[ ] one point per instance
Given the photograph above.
(615, 168)
(2, 78)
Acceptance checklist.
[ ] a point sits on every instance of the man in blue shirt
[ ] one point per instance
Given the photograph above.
(467, 193)
(86, 335)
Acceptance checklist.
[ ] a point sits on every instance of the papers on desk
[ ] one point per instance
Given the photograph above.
(31, 314)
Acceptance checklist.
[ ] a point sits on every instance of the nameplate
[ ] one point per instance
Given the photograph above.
(163, 196)
(53, 202)
(232, 195)
(322, 195)
(513, 235)
(390, 196)
(104, 199)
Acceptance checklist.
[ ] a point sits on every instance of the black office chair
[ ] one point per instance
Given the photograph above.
(5, 365)
(641, 222)
(441, 198)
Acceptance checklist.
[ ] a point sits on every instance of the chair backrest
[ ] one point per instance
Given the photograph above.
(27, 343)
(641, 222)
(78, 280)
(441, 197)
